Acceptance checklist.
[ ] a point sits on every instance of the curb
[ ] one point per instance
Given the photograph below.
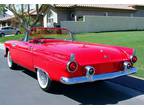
(137, 77)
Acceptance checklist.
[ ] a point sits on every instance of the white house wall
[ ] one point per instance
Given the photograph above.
(45, 21)
(53, 16)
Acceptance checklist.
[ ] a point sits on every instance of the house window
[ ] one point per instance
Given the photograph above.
(80, 18)
(50, 20)
(106, 13)
(72, 15)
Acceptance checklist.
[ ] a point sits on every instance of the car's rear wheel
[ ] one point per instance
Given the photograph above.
(10, 63)
(44, 81)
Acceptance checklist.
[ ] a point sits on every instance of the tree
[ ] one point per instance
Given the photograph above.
(2, 9)
(22, 13)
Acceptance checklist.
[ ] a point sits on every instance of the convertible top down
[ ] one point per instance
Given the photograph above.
(55, 55)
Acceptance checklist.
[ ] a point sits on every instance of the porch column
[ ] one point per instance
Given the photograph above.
(0, 25)
(75, 18)
(45, 21)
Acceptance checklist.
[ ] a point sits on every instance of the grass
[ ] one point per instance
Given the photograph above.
(16, 37)
(133, 39)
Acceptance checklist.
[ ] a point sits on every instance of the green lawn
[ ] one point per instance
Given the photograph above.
(133, 39)
(16, 37)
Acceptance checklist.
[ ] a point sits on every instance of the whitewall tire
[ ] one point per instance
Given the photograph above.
(43, 80)
(10, 63)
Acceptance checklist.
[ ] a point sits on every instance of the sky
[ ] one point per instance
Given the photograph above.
(18, 7)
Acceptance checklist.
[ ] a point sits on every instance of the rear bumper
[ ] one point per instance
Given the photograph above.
(92, 78)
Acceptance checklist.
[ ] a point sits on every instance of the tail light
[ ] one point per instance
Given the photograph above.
(72, 66)
(133, 59)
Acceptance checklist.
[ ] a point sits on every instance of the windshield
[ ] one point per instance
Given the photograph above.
(50, 33)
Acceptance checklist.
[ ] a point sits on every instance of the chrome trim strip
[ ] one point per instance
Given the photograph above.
(83, 79)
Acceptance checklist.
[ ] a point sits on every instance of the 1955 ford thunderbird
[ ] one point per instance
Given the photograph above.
(54, 55)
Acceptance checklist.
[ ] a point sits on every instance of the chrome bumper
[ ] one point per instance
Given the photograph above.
(92, 78)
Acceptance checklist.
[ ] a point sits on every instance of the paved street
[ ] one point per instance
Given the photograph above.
(21, 87)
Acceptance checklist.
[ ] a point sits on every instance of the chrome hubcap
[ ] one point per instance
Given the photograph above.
(9, 60)
(42, 78)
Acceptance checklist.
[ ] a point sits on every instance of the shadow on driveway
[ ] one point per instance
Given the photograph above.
(96, 93)
(130, 82)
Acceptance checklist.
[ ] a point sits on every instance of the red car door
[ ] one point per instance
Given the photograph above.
(24, 54)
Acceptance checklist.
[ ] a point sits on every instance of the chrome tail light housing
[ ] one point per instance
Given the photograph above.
(72, 65)
(133, 59)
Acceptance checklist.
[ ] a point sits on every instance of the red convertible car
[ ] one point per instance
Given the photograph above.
(54, 55)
